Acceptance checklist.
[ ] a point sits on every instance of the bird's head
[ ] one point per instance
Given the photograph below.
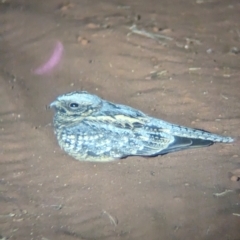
(75, 106)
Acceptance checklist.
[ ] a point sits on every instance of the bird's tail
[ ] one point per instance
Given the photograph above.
(194, 133)
(181, 143)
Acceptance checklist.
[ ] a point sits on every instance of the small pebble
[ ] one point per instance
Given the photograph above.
(155, 29)
(235, 50)
(234, 178)
(82, 40)
(209, 51)
(92, 26)
(66, 7)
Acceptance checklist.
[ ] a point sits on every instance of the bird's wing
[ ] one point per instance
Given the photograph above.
(131, 135)
(181, 143)
(101, 138)
(159, 140)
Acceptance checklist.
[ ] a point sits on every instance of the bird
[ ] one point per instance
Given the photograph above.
(89, 128)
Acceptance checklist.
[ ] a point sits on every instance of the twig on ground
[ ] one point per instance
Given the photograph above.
(222, 193)
(113, 220)
(143, 32)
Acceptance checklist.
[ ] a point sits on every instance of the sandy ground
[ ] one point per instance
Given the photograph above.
(191, 76)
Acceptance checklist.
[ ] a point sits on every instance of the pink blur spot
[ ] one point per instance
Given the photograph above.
(52, 62)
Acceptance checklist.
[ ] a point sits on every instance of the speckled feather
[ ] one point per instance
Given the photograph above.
(92, 129)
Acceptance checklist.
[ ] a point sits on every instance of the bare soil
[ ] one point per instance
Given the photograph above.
(175, 60)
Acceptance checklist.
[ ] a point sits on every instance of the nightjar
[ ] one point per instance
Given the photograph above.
(92, 129)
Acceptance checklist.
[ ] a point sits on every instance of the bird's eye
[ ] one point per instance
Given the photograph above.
(74, 105)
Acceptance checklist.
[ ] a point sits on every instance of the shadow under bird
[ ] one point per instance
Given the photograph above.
(92, 129)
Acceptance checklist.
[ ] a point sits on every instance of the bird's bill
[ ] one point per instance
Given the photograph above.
(54, 104)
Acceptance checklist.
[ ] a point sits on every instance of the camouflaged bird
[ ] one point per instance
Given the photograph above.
(92, 129)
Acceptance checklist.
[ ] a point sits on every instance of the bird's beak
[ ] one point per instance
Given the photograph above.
(54, 104)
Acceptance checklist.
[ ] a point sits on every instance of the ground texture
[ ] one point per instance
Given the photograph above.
(175, 60)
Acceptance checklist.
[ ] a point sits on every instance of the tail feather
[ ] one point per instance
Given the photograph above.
(182, 143)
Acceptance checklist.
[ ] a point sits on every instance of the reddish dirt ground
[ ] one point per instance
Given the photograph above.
(189, 76)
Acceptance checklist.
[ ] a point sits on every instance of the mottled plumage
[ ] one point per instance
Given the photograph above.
(92, 129)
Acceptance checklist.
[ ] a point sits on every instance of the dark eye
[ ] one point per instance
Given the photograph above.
(74, 105)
